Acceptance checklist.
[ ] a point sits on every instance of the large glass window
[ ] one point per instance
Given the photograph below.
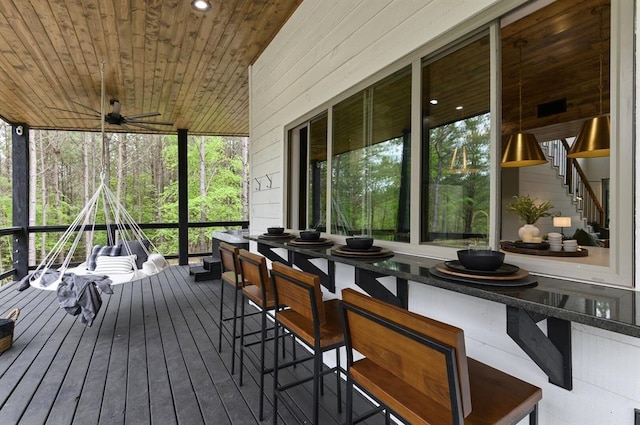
(371, 157)
(455, 145)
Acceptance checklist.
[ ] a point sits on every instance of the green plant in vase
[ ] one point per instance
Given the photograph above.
(530, 210)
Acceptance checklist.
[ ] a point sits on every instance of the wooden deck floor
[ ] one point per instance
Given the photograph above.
(150, 357)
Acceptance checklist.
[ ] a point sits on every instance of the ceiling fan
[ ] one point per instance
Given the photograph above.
(115, 117)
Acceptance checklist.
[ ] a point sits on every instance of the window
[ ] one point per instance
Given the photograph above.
(455, 145)
(371, 157)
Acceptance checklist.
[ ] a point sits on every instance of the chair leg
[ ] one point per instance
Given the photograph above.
(317, 383)
(338, 381)
(349, 412)
(233, 334)
(241, 338)
(220, 317)
(533, 416)
(275, 373)
(263, 337)
(293, 349)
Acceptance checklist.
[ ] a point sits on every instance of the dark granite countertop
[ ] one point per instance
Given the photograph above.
(613, 309)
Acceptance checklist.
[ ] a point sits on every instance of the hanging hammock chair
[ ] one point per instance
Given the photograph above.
(130, 257)
(123, 260)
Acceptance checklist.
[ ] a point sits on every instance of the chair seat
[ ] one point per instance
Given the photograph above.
(330, 332)
(497, 398)
(254, 293)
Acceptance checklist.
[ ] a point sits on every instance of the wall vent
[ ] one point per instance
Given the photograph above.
(554, 107)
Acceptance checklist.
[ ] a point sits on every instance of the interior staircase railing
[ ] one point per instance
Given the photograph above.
(575, 180)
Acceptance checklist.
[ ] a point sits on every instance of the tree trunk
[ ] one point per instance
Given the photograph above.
(43, 197)
(86, 141)
(33, 178)
(245, 178)
(203, 188)
(56, 183)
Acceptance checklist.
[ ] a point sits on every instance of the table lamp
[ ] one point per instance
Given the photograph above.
(562, 222)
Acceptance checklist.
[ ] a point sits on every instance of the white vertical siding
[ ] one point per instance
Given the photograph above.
(329, 46)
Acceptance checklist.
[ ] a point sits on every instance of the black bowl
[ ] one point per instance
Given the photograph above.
(310, 235)
(275, 230)
(482, 259)
(359, 242)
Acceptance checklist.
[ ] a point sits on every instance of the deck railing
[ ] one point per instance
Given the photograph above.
(12, 232)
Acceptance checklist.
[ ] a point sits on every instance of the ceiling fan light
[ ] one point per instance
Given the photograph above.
(201, 5)
(522, 150)
(593, 140)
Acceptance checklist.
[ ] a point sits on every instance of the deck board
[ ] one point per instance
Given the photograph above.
(150, 358)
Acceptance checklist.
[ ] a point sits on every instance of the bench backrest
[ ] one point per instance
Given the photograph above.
(426, 354)
(229, 262)
(300, 291)
(254, 271)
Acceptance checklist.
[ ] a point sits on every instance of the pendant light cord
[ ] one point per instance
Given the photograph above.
(600, 11)
(519, 44)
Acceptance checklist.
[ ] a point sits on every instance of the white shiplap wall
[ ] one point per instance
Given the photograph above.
(327, 48)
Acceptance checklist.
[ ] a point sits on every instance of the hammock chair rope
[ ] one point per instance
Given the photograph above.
(126, 228)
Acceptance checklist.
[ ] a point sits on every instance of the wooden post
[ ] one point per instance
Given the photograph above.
(20, 183)
(183, 199)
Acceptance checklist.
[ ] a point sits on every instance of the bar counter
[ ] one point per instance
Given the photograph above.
(557, 300)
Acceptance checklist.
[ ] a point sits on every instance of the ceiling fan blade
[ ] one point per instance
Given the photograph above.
(96, 115)
(148, 114)
(80, 119)
(150, 122)
(146, 127)
(86, 107)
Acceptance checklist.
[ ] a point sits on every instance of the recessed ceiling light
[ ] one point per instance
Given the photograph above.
(458, 108)
(433, 101)
(201, 5)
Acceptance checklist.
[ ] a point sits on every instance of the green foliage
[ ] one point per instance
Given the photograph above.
(528, 209)
(147, 184)
(459, 197)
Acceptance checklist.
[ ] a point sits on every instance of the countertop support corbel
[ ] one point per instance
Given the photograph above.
(551, 352)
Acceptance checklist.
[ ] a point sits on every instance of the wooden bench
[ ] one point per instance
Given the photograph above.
(417, 368)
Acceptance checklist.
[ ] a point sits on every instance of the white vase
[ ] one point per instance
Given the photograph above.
(528, 228)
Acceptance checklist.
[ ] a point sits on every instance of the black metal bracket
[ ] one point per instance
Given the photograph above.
(302, 260)
(636, 417)
(551, 352)
(267, 252)
(368, 281)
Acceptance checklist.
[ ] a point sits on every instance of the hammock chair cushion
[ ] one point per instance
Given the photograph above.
(136, 248)
(115, 265)
(99, 250)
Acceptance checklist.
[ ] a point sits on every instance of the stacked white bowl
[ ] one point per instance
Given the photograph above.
(555, 241)
(570, 245)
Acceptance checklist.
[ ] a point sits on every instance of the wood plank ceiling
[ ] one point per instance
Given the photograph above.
(159, 56)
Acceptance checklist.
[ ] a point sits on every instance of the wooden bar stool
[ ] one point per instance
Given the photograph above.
(417, 368)
(230, 276)
(315, 322)
(257, 289)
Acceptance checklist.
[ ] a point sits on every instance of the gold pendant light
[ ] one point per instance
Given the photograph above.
(594, 138)
(522, 149)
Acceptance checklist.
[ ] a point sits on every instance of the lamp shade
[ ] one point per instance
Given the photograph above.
(522, 150)
(593, 140)
(561, 221)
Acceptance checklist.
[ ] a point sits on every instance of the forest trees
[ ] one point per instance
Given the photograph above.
(140, 169)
